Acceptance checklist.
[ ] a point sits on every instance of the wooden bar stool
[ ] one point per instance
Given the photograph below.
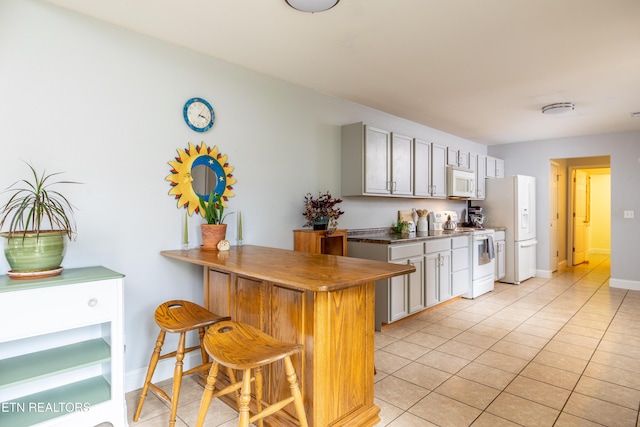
(240, 346)
(179, 317)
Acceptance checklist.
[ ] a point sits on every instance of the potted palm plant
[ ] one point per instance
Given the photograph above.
(39, 220)
(215, 229)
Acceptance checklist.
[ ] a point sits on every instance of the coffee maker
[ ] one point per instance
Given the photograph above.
(476, 217)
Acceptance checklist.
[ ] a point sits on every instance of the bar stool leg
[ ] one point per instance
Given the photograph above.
(152, 367)
(295, 391)
(208, 393)
(177, 379)
(203, 352)
(258, 375)
(245, 399)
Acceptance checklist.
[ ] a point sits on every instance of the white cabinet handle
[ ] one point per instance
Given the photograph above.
(92, 302)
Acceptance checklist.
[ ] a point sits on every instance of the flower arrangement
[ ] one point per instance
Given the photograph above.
(321, 210)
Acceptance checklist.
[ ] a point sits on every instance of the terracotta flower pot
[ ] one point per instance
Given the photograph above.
(212, 234)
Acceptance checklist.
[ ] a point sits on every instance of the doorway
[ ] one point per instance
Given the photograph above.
(580, 203)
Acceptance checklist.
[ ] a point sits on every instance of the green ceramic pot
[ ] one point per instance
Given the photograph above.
(32, 253)
(321, 223)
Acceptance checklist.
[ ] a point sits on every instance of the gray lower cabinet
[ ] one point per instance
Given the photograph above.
(406, 293)
(442, 272)
(438, 271)
(499, 248)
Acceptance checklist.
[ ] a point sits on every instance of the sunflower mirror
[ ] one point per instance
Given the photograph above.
(196, 172)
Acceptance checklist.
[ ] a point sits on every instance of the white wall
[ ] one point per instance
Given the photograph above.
(532, 158)
(104, 105)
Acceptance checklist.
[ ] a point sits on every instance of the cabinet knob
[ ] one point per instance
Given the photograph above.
(92, 302)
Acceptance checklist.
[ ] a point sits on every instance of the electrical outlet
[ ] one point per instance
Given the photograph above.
(628, 214)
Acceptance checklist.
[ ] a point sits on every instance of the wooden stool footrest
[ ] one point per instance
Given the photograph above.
(271, 409)
(160, 393)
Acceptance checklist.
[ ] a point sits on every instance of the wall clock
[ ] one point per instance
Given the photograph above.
(198, 114)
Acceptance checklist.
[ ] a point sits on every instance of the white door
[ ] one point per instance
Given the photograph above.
(526, 206)
(553, 216)
(580, 213)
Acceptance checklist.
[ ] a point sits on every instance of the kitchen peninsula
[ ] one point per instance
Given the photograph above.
(325, 302)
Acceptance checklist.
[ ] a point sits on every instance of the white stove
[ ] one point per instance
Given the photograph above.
(482, 262)
(482, 251)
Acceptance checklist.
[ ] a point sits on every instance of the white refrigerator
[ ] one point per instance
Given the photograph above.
(511, 203)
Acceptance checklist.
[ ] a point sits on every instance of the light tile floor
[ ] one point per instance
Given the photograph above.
(563, 352)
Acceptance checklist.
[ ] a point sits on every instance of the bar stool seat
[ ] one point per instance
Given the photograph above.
(242, 347)
(177, 316)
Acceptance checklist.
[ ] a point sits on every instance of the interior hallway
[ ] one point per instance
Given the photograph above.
(563, 351)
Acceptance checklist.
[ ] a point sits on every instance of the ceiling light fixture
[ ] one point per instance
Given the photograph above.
(558, 108)
(312, 5)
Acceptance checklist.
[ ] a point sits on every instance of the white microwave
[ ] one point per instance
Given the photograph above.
(461, 183)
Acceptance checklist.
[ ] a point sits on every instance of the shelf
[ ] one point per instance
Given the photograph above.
(28, 367)
(321, 241)
(56, 402)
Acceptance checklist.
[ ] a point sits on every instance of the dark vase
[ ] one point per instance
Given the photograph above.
(321, 223)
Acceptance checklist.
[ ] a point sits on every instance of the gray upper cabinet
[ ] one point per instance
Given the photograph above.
(457, 158)
(477, 163)
(401, 165)
(422, 168)
(376, 162)
(438, 171)
(366, 161)
(495, 167)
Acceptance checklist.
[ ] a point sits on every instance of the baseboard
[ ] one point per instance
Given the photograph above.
(633, 285)
(603, 251)
(562, 265)
(134, 379)
(544, 274)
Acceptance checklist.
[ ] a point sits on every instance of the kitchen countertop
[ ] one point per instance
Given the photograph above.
(388, 237)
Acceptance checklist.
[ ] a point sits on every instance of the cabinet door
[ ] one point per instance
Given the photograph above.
(473, 165)
(432, 267)
(480, 177)
(452, 157)
(398, 301)
(490, 169)
(499, 168)
(422, 168)
(500, 260)
(444, 276)
(463, 159)
(417, 298)
(401, 165)
(438, 171)
(377, 161)
(460, 272)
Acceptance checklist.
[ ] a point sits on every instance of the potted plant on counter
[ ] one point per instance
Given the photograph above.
(39, 219)
(215, 229)
(321, 212)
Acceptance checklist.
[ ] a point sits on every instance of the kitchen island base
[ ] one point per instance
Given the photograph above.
(325, 302)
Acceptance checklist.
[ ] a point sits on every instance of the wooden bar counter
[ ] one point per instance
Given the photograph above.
(325, 302)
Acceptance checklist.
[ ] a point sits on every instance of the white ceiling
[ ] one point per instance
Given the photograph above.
(478, 69)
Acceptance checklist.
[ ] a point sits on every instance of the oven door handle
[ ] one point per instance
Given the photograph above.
(480, 238)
